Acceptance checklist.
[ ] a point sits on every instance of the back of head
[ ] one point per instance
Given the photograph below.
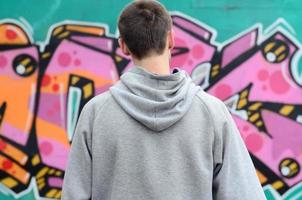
(144, 25)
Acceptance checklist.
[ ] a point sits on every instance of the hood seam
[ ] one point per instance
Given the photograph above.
(155, 125)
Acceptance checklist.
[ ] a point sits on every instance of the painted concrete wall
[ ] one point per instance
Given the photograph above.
(56, 55)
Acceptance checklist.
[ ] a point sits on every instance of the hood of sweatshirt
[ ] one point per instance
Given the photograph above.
(157, 101)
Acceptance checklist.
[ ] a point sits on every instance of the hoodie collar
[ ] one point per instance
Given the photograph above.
(175, 75)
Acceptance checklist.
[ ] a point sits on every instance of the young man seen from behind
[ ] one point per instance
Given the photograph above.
(155, 135)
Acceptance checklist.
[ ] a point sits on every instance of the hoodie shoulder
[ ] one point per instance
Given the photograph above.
(216, 109)
(100, 98)
(97, 102)
(212, 104)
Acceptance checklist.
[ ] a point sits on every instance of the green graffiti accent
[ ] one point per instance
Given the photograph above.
(74, 100)
(29, 194)
(271, 193)
(299, 68)
(294, 193)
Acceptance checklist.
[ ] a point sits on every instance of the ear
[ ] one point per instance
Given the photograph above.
(123, 47)
(171, 42)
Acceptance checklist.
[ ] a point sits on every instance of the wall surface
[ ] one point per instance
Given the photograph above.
(56, 55)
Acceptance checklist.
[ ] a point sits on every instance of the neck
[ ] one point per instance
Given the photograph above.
(158, 64)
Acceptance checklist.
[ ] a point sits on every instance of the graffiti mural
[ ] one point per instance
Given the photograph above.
(44, 86)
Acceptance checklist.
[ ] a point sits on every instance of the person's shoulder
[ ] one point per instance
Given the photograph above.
(216, 108)
(211, 102)
(97, 102)
(100, 99)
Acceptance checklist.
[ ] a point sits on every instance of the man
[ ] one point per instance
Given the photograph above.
(155, 135)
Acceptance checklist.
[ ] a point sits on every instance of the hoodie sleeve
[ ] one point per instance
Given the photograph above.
(234, 176)
(77, 178)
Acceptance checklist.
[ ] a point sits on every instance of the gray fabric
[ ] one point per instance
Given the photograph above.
(157, 101)
(158, 137)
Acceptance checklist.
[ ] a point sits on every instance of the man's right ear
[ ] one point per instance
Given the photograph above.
(171, 40)
(123, 47)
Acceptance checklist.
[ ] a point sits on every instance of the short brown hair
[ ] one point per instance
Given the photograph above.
(143, 25)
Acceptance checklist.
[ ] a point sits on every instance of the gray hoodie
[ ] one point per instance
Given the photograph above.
(158, 137)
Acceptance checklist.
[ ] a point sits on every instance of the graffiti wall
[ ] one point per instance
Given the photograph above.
(44, 85)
